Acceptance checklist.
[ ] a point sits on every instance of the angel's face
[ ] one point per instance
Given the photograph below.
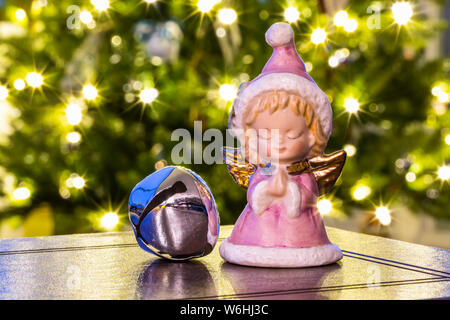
(282, 136)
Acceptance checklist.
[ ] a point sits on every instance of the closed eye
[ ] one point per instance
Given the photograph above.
(293, 136)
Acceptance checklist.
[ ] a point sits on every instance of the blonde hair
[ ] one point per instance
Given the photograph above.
(280, 99)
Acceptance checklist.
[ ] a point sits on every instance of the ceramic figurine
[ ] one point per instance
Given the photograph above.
(281, 226)
(174, 215)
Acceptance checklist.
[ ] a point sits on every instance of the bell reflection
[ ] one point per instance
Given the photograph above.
(164, 279)
(270, 283)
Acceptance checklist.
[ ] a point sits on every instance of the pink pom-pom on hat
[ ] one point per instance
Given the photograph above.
(285, 58)
(285, 70)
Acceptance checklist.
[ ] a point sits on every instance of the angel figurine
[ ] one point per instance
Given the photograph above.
(291, 119)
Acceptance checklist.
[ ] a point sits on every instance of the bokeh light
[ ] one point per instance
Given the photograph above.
(351, 105)
(436, 90)
(291, 14)
(350, 150)
(75, 181)
(333, 61)
(402, 12)
(73, 114)
(73, 137)
(21, 193)
(444, 172)
(90, 92)
(20, 15)
(350, 25)
(19, 84)
(447, 139)
(227, 92)
(227, 16)
(440, 92)
(109, 220)
(318, 36)
(34, 79)
(340, 18)
(3, 92)
(383, 214)
(206, 6)
(148, 95)
(361, 192)
(324, 206)
(100, 5)
(410, 177)
(78, 182)
(86, 17)
(443, 97)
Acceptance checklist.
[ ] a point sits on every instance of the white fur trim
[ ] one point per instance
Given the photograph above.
(279, 257)
(261, 200)
(289, 82)
(279, 34)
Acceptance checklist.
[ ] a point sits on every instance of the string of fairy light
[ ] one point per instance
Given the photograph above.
(75, 108)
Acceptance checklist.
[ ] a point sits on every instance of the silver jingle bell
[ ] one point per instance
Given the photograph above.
(174, 215)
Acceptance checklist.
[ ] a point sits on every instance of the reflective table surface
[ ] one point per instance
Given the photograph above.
(112, 266)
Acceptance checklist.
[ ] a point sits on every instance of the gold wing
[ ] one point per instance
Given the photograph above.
(327, 169)
(239, 169)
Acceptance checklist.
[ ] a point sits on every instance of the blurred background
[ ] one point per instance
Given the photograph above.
(90, 92)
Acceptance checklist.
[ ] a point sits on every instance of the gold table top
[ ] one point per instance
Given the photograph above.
(112, 266)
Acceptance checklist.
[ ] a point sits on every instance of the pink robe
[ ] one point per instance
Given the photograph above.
(273, 227)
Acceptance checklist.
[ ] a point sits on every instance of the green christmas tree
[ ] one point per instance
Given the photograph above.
(91, 91)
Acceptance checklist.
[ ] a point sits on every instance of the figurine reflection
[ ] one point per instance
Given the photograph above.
(164, 279)
(286, 284)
